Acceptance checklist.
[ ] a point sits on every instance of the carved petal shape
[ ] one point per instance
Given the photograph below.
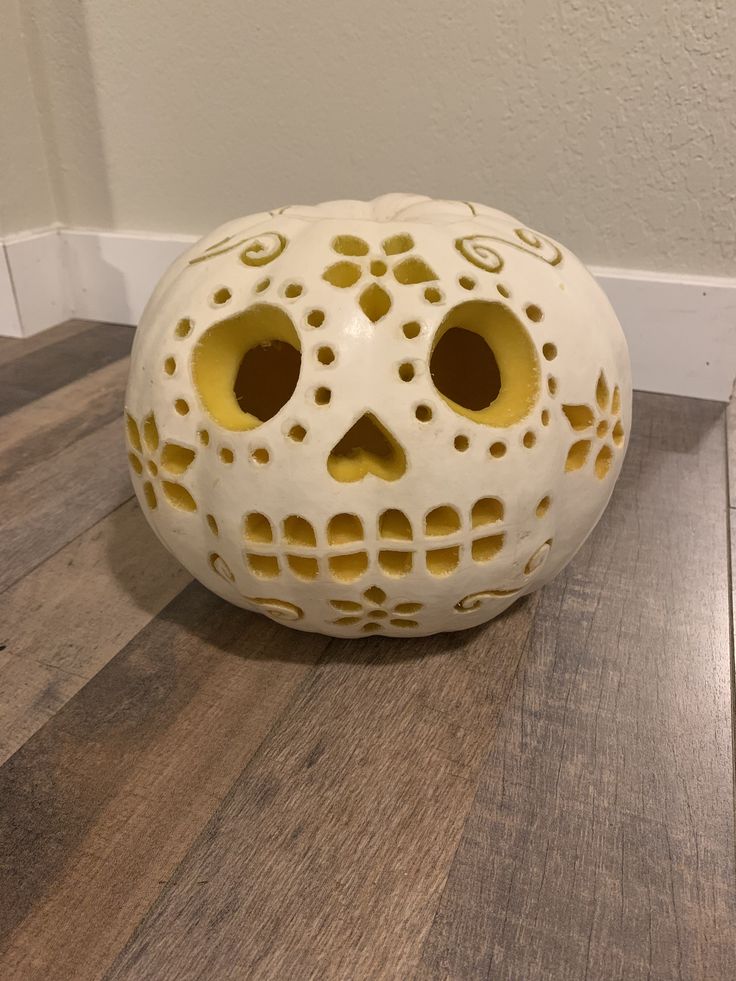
(413, 270)
(150, 495)
(150, 433)
(178, 496)
(398, 244)
(346, 606)
(342, 274)
(134, 437)
(176, 458)
(375, 302)
(579, 416)
(618, 433)
(350, 245)
(603, 461)
(577, 455)
(601, 392)
(616, 401)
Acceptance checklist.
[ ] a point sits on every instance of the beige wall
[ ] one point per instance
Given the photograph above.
(26, 197)
(609, 125)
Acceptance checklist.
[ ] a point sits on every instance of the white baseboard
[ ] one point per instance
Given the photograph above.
(39, 279)
(681, 329)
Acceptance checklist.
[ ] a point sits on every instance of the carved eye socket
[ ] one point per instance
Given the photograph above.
(464, 369)
(484, 363)
(246, 368)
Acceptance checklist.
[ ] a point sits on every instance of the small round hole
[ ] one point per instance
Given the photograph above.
(315, 318)
(406, 371)
(297, 433)
(204, 437)
(226, 455)
(378, 267)
(184, 327)
(411, 330)
(533, 312)
(221, 296)
(545, 417)
(502, 290)
(549, 350)
(293, 290)
(529, 439)
(432, 294)
(181, 406)
(423, 413)
(467, 282)
(322, 396)
(170, 366)
(497, 450)
(325, 355)
(260, 456)
(552, 385)
(462, 443)
(263, 285)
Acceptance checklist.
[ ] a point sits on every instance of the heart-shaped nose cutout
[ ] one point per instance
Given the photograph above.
(367, 447)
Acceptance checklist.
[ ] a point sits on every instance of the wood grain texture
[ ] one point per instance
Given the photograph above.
(328, 857)
(63, 621)
(97, 809)
(31, 376)
(600, 844)
(13, 347)
(46, 505)
(48, 426)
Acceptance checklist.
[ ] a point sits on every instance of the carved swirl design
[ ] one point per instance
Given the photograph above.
(258, 250)
(478, 250)
(475, 600)
(475, 249)
(280, 609)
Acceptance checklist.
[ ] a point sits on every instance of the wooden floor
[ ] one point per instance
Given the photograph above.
(192, 791)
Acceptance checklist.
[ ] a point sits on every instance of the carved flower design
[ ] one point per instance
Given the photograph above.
(407, 269)
(373, 610)
(600, 427)
(157, 465)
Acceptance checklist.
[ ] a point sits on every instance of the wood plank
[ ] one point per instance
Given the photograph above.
(328, 857)
(731, 447)
(14, 347)
(63, 621)
(48, 426)
(51, 502)
(600, 844)
(99, 807)
(31, 376)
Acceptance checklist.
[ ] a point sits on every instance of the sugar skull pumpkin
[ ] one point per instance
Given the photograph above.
(390, 417)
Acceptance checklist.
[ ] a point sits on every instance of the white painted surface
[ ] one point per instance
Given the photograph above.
(10, 325)
(26, 193)
(608, 125)
(44, 294)
(114, 273)
(681, 329)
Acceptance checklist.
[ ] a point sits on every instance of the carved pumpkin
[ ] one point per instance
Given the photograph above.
(391, 417)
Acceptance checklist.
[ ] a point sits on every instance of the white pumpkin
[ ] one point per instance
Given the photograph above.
(392, 417)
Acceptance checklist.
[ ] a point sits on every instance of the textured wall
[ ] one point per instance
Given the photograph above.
(26, 199)
(610, 126)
